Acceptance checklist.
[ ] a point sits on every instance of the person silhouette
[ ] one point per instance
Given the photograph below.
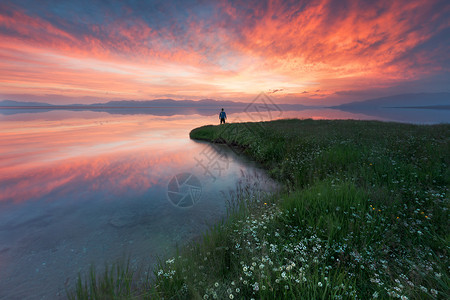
(222, 117)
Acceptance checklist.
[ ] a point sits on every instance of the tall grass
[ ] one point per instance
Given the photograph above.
(115, 281)
(363, 214)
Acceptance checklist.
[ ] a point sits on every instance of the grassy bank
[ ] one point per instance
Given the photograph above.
(364, 214)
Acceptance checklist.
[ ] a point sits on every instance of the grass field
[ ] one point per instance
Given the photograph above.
(363, 214)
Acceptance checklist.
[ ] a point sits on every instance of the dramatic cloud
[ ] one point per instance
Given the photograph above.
(219, 49)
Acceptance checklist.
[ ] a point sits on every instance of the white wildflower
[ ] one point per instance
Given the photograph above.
(255, 287)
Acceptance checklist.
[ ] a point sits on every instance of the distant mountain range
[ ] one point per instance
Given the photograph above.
(396, 101)
(147, 103)
(11, 103)
(169, 107)
(165, 107)
(422, 100)
(129, 103)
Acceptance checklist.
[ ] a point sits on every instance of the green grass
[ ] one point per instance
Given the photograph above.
(363, 214)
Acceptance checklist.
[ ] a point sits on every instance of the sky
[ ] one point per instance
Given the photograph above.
(308, 52)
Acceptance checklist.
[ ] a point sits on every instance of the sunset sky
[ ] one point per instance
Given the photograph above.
(312, 52)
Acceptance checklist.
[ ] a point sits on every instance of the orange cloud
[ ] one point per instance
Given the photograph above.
(236, 51)
(356, 41)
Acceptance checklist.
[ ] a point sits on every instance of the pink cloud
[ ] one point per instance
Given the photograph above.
(322, 45)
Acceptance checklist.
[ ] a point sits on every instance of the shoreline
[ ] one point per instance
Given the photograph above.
(362, 200)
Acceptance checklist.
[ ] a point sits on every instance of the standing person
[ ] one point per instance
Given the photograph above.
(222, 117)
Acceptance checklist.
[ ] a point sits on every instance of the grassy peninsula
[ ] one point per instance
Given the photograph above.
(364, 213)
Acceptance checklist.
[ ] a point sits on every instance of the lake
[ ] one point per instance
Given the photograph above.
(82, 188)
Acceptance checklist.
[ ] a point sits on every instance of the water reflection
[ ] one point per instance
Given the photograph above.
(407, 115)
(87, 187)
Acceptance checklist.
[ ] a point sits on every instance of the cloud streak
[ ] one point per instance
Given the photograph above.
(219, 49)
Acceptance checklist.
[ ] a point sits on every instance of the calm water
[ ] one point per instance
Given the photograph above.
(81, 187)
